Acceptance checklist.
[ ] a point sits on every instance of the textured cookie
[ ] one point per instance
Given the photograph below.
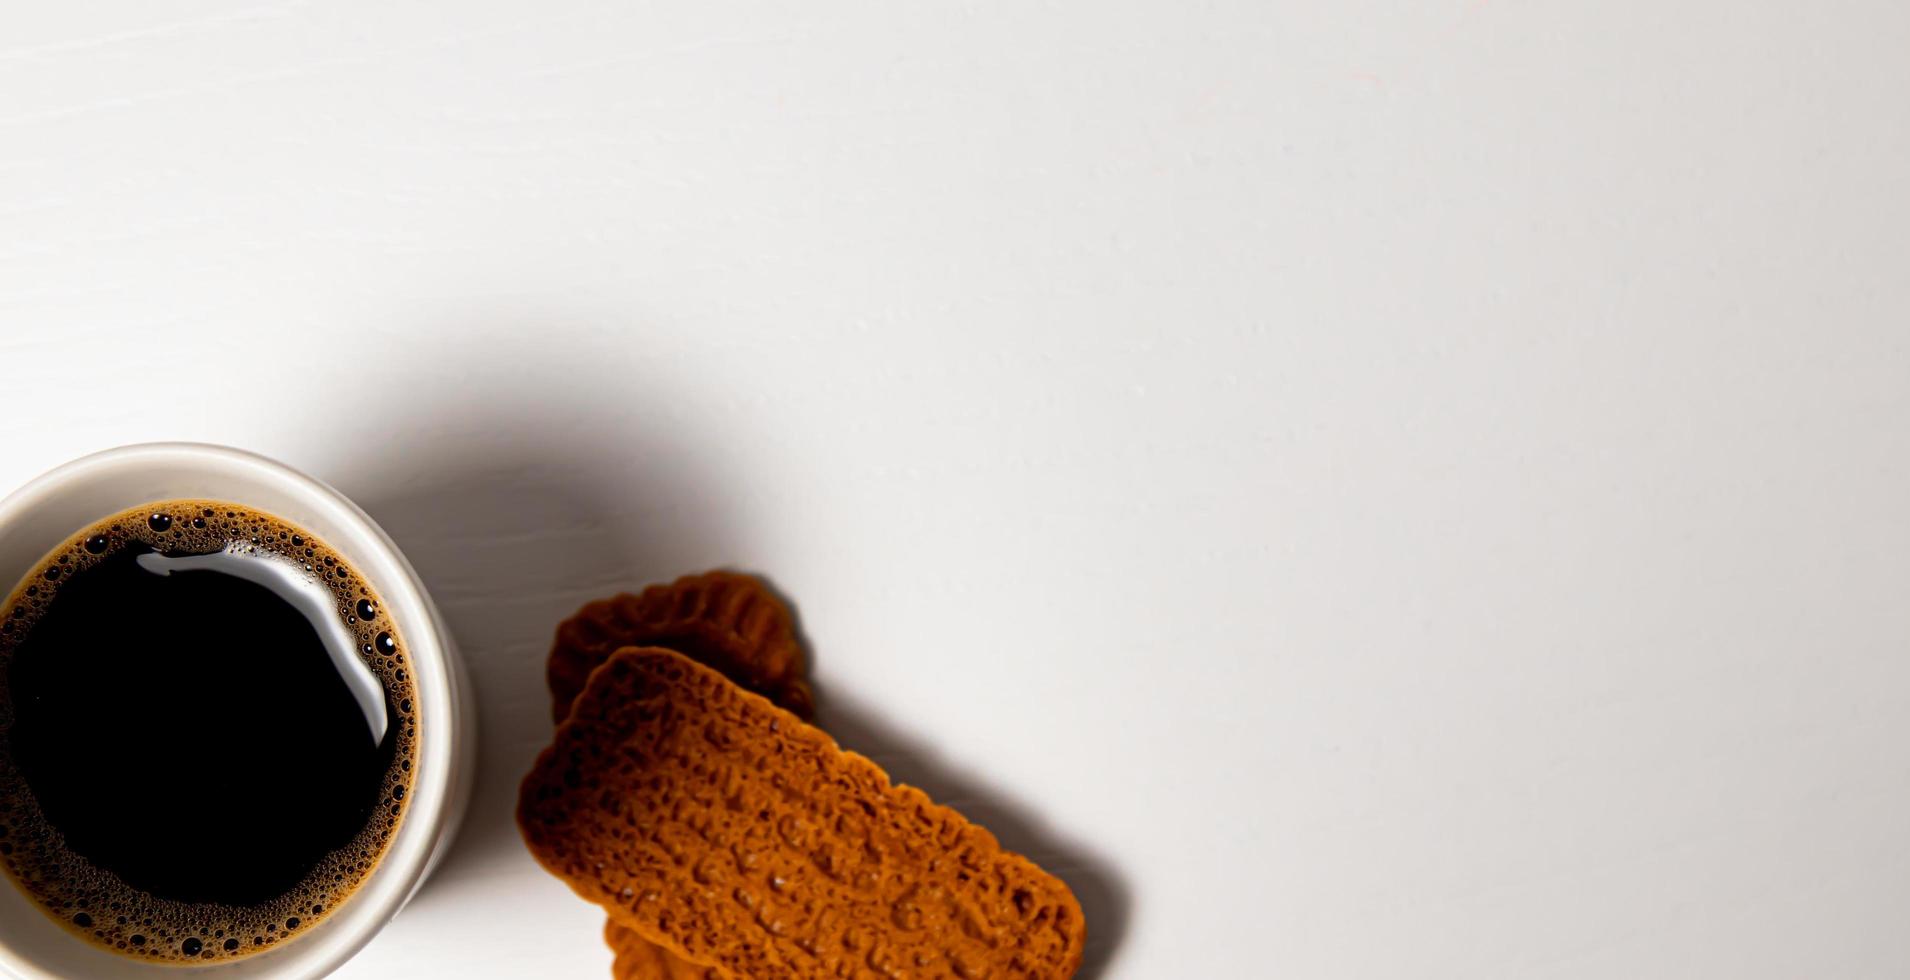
(731, 622)
(722, 619)
(727, 830)
(638, 958)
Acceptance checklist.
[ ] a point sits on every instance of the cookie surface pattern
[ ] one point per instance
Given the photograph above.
(728, 620)
(734, 834)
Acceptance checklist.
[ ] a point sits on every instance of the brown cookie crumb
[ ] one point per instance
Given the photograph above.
(730, 832)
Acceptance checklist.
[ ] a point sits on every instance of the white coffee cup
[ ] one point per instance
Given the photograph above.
(46, 512)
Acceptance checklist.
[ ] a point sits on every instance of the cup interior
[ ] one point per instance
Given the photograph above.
(45, 513)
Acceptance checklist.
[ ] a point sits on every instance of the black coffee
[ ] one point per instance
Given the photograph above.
(206, 731)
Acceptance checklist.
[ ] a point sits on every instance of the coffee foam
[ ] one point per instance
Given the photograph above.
(95, 903)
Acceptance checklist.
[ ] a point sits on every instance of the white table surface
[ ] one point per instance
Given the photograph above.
(1361, 490)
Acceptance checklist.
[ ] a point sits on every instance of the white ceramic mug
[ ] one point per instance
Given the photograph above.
(46, 512)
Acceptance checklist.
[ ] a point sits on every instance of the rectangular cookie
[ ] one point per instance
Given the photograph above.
(726, 830)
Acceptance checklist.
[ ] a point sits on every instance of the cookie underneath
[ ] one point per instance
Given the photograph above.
(727, 620)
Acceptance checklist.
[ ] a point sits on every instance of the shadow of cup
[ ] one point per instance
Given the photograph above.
(517, 514)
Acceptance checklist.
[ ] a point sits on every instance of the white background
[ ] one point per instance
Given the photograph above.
(1361, 490)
